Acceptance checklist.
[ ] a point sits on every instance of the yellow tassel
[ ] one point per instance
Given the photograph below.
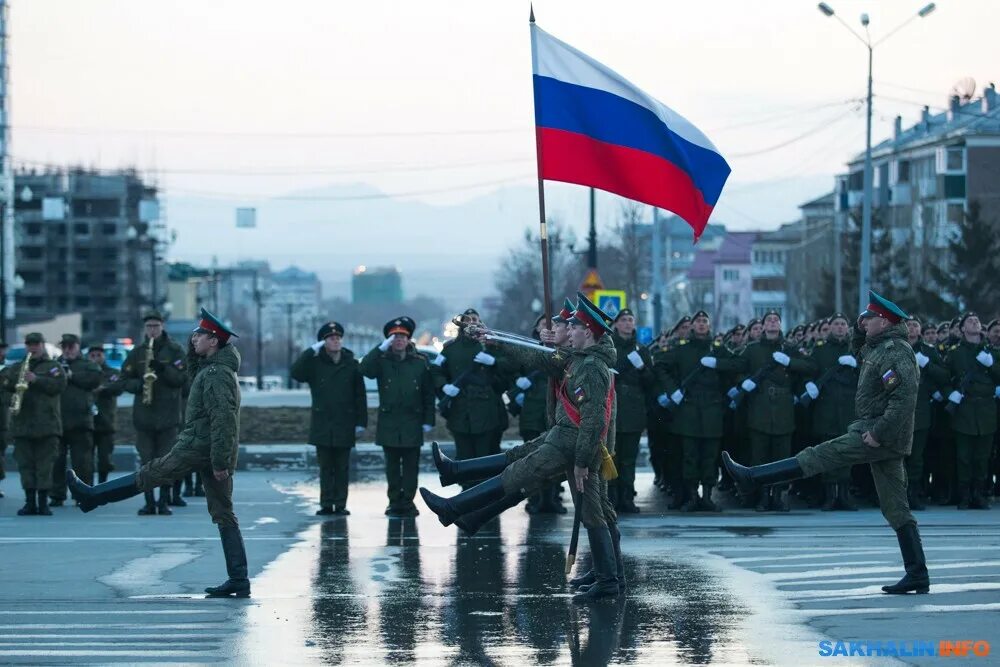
(608, 469)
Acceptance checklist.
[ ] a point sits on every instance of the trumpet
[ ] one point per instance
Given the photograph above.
(148, 376)
(19, 388)
(480, 332)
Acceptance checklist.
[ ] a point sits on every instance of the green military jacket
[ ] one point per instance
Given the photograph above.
(933, 378)
(977, 413)
(702, 411)
(405, 396)
(165, 411)
(533, 413)
(82, 378)
(339, 401)
(41, 413)
(771, 406)
(633, 386)
(212, 418)
(106, 397)
(478, 408)
(833, 410)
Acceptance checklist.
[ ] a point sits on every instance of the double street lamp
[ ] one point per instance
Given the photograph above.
(864, 279)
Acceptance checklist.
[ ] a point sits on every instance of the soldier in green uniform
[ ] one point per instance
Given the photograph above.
(37, 426)
(339, 411)
(694, 374)
(974, 376)
(993, 334)
(635, 382)
(156, 413)
(882, 435)
(933, 378)
(832, 402)
(473, 380)
(106, 420)
(673, 447)
(405, 410)
(209, 442)
(733, 341)
(771, 364)
(77, 409)
(4, 416)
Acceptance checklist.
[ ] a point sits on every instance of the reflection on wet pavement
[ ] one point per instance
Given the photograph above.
(367, 589)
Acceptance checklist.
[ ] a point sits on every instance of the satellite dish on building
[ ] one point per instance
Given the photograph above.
(964, 89)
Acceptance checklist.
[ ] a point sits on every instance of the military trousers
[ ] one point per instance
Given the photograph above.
(104, 444)
(474, 445)
(838, 475)
(657, 433)
(35, 458)
(886, 467)
(334, 467)
(153, 444)
(765, 447)
(700, 460)
(3, 454)
(626, 453)
(401, 467)
(177, 464)
(78, 446)
(972, 457)
(673, 459)
(915, 461)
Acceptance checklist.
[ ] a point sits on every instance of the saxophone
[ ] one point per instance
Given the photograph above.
(19, 388)
(148, 376)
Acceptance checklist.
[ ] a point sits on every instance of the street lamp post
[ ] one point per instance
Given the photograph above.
(865, 275)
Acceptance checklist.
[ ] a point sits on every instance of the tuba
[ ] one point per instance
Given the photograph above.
(148, 375)
(19, 388)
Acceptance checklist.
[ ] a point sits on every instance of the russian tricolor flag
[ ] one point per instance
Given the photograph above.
(595, 128)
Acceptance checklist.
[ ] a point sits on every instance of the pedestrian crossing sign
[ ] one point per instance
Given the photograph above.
(611, 301)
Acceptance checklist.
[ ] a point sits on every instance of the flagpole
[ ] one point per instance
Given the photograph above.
(543, 227)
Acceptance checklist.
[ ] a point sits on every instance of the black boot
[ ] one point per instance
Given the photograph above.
(913, 497)
(602, 551)
(844, 501)
(964, 497)
(43, 503)
(692, 502)
(102, 477)
(188, 486)
(149, 509)
(626, 495)
(763, 500)
(92, 497)
(478, 497)
(779, 499)
(830, 500)
(30, 504)
(747, 480)
(163, 506)
(979, 497)
(677, 501)
(586, 579)
(175, 497)
(707, 504)
(471, 522)
(452, 472)
(916, 577)
(616, 542)
(236, 565)
(199, 490)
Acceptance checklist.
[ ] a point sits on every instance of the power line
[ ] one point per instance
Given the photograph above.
(276, 135)
(826, 124)
(786, 114)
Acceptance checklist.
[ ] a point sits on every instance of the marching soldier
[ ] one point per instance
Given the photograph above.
(339, 411)
(106, 420)
(405, 410)
(155, 373)
(755, 328)
(771, 364)
(693, 376)
(77, 408)
(4, 416)
(974, 376)
(208, 442)
(832, 395)
(37, 425)
(634, 383)
(933, 378)
(473, 383)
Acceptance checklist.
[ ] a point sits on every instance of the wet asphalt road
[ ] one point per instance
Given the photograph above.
(736, 588)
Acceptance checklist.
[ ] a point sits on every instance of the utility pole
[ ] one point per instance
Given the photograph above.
(656, 287)
(838, 260)
(6, 184)
(288, 315)
(592, 236)
(258, 298)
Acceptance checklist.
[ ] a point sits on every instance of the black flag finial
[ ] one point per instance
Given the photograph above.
(531, 16)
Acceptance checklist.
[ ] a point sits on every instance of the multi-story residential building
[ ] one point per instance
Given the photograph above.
(733, 282)
(811, 262)
(376, 285)
(768, 262)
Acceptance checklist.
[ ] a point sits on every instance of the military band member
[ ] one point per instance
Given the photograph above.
(405, 410)
(933, 378)
(156, 411)
(77, 408)
(339, 411)
(37, 426)
(106, 420)
(882, 435)
(208, 442)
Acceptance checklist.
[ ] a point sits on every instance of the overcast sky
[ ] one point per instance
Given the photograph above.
(254, 98)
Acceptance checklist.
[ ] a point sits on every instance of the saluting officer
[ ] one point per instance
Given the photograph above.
(77, 407)
(106, 420)
(339, 411)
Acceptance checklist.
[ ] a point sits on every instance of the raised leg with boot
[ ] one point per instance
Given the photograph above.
(748, 480)
(238, 584)
(92, 497)
(453, 472)
(476, 498)
(916, 578)
(472, 521)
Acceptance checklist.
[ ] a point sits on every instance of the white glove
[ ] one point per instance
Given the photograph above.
(781, 358)
(677, 396)
(427, 428)
(938, 397)
(709, 362)
(439, 360)
(484, 359)
(955, 397)
(315, 347)
(451, 390)
(812, 390)
(922, 359)
(523, 383)
(847, 360)
(358, 430)
(985, 358)
(748, 385)
(663, 400)
(519, 399)
(733, 392)
(384, 345)
(636, 359)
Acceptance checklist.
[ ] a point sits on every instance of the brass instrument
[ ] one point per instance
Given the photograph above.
(148, 375)
(20, 387)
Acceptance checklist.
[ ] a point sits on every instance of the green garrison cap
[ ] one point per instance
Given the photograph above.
(881, 307)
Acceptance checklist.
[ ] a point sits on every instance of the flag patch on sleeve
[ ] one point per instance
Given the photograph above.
(579, 394)
(890, 379)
